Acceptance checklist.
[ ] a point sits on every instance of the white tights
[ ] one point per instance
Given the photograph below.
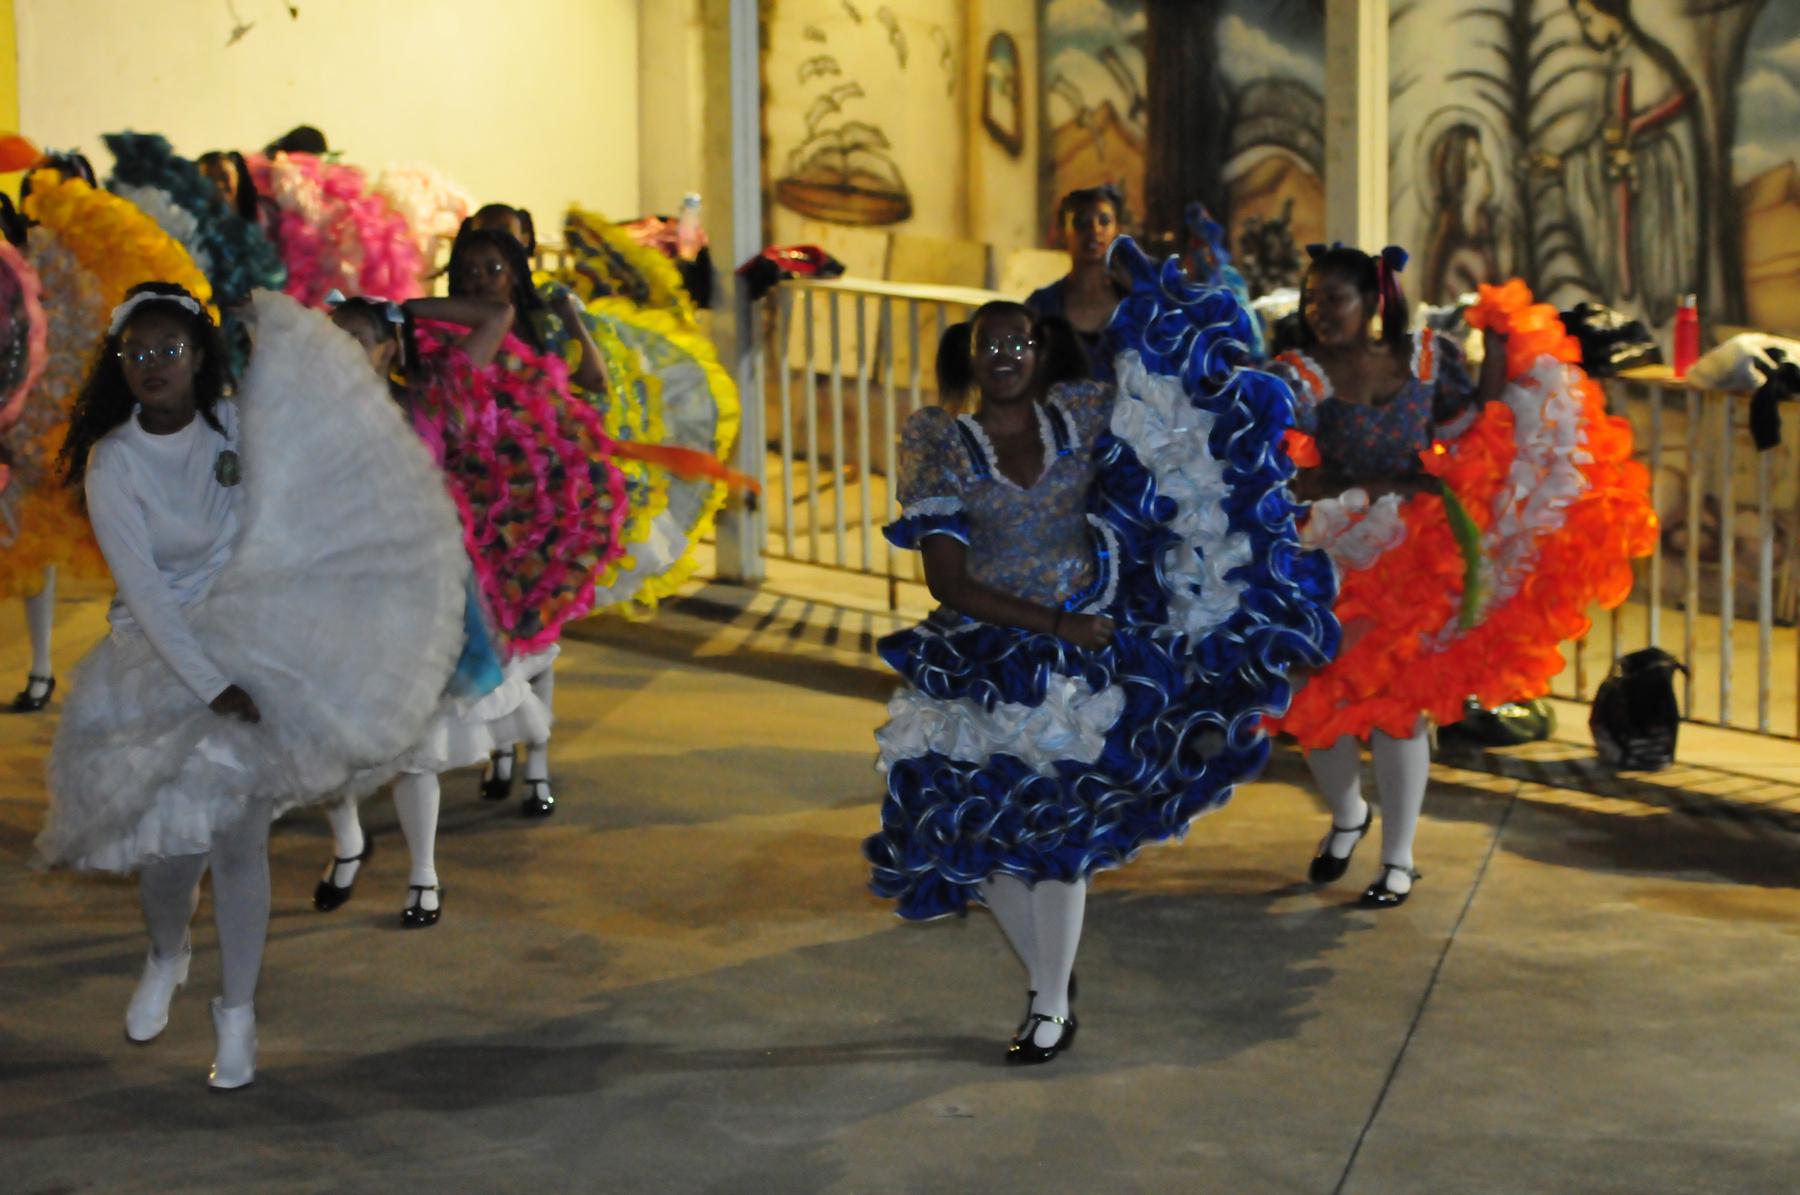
(1402, 770)
(416, 801)
(170, 888)
(40, 617)
(1042, 921)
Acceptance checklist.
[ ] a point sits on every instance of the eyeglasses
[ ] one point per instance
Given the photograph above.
(472, 271)
(1007, 346)
(168, 353)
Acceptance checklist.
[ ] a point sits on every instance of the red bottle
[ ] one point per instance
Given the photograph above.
(1687, 334)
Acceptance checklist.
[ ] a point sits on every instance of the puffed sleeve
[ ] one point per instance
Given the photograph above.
(1293, 370)
(1453, 395)
(930, 488)
(117, 514)
(1089, 406)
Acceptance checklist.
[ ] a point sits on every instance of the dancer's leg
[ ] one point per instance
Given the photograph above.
(1337, 770)
(240, 871)
(537, 758)
(347, 842)
(1402, 770)
(1057, 911)
(416, 799)
(168, 890)
(1009, 900)
(40, 618)
(538, 799)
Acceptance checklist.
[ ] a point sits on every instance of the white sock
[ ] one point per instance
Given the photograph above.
(40, 617)
(1057, 910)
(500, 765)
(1402, 770)
(1009, 900)
(346, 842)
(1337, 770)
(416, 800)
(537, 766)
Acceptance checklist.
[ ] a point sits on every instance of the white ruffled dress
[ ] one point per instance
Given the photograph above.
(340, 611)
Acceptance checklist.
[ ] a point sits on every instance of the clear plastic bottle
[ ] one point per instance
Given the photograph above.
(689, 236)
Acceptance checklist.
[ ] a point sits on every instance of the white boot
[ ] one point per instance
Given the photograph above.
(148, 1013)
(235, 1064)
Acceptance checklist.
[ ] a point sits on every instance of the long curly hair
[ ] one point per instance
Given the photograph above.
(105, 401)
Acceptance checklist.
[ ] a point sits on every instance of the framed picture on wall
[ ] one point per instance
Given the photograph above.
(1003, 94)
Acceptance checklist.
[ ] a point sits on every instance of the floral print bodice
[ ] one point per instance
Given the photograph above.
(1371, 443)
(1032, 542)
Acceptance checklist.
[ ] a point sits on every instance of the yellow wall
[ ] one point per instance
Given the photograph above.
(529, 103)
(9, 84)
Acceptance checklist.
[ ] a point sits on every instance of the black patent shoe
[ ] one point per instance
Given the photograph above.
(415, 915)
(1025, 1052)
(1025, 1026)
(26, 702)
(538, 802)
(1326, 867)
(328, 896)
(495, 787)
(1380, 896)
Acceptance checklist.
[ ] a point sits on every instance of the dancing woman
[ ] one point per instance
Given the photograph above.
(1092, 682)
(491, 265)
(488, 704)
(1501, 506)
(259, 656)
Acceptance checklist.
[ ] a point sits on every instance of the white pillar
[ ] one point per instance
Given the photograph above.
(734, 220)
(1356, 122)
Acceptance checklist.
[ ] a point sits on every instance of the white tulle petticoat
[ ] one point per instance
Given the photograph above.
(340, 613)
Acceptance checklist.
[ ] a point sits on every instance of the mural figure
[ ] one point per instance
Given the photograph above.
(1629, 190)
(1460, 252)
(1094, 107)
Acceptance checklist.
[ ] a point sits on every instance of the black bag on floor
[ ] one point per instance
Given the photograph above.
(1507, 725)
(1635, 716)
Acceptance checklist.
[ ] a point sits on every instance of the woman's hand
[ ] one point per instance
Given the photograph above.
(567, 306)
(235, 703)
(1311, 485)
(1092, 631)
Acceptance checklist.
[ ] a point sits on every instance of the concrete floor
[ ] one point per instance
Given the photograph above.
(680, 984)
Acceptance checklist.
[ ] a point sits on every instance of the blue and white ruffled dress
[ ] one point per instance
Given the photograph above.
(1162, 506)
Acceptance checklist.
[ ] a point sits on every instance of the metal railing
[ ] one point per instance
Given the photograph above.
(1720, 592)
(842, 363)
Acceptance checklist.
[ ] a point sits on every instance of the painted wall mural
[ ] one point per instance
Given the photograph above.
(859, 98)
(1095, 106)
(1630, 151)
(1267, 73)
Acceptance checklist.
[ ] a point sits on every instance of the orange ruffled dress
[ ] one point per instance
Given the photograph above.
(1473, 594)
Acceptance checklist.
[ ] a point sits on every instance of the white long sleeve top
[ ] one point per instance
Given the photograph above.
(166, 526)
